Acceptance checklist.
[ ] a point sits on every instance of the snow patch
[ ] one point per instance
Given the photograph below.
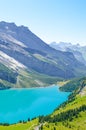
(10, 62)
(7, 27)
(8, 37)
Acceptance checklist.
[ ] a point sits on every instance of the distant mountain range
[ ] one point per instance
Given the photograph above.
(78, 51)
(27, 61)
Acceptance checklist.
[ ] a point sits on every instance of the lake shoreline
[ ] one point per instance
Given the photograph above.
(44, 97)
(27, 88)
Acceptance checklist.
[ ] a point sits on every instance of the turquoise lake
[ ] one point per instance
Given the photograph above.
(21, 104)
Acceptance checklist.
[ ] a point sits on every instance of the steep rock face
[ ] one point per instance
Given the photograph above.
(26, 48)
(7, 74)
(22, 34)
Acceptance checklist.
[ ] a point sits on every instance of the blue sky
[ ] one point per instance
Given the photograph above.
(51, 20)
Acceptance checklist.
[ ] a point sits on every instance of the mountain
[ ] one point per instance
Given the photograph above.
(31, 61)
(78, 51)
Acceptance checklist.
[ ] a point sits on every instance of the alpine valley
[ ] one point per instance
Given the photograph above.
(27, 61)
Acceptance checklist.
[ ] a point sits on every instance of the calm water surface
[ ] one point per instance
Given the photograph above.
(21, 104)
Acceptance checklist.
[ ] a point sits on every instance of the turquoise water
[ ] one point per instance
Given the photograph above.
(21, 104)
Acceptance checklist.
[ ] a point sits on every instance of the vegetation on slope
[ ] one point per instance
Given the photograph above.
(20, 126)
(69, 116)
(7, 74)
(8, 77)
(72, 85)
(34, 79)
(24, 78)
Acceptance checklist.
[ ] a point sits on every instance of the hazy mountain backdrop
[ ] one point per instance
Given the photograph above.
(78, 50)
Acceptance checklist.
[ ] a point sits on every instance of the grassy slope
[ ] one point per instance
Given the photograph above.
(27, 79)
(21, 126)
(34, 79)
(77, 123)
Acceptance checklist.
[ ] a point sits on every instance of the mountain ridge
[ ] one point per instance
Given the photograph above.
(34, 55)
(78, 50)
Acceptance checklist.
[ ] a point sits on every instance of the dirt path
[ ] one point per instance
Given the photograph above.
(30, 128)
(37, 127)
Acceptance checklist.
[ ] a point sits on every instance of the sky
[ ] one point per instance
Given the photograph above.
(51, 20)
